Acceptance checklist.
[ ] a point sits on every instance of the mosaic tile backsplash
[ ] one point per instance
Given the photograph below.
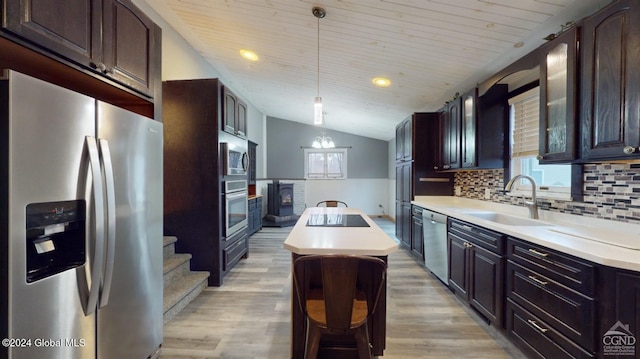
(611, 191)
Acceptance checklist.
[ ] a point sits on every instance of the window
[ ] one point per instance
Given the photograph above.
(330, 163)
(552, 181)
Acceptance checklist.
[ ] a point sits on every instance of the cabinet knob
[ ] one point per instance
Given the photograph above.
(628, 150)
(539, 157)
(436, 167)
(446, 167)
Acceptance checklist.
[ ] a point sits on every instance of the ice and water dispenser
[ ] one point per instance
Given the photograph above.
(55, 238)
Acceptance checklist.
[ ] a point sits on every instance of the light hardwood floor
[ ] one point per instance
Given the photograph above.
(248, 317)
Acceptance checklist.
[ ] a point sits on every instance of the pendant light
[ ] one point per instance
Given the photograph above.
(319, 13)
(323, 142)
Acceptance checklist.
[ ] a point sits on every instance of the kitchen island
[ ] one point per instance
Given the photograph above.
(348, 231)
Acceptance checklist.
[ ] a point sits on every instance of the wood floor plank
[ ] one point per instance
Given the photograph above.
(248, 317)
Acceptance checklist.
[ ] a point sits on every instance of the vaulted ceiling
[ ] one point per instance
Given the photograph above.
(429, 49)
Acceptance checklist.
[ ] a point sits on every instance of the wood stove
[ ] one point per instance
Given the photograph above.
(280, 199)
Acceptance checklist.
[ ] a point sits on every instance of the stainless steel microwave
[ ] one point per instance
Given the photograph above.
(235, 159)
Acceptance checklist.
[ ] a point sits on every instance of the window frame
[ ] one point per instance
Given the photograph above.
(326, 151)
(523, 187)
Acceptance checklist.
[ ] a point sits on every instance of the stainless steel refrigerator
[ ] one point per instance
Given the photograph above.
(81, 224)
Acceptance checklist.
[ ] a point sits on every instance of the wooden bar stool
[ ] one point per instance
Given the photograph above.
(339, 306)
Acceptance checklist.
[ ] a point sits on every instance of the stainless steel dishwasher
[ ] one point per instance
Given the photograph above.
(435, 244)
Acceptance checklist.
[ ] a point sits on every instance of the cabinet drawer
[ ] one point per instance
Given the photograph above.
(417, 211)
(252, 203)
(563, 268)
(567, 311)
(485, 238)
(538, 338)
(232, 254)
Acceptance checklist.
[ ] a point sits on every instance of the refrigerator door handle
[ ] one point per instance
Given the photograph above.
(105, 154)
(97, 261)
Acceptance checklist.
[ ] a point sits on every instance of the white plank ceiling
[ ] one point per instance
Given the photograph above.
(429, 49)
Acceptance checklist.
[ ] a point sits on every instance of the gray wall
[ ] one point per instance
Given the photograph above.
(368, 158)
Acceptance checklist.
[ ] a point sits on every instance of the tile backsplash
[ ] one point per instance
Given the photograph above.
(611, 191)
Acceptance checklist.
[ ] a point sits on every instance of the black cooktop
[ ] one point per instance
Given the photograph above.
(336, 220)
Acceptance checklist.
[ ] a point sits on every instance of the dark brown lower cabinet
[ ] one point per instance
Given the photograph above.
(476, 268)
(551, 302)
(539, 341)
(417, 236)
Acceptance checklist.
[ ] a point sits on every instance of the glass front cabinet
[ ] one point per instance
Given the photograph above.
(558, 100)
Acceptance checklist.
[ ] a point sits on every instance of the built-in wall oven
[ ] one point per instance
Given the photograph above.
(235, 206)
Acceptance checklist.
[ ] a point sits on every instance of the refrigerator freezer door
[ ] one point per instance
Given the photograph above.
(130, 325)
(47, 162)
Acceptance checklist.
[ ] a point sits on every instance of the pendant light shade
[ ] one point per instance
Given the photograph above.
(319, 13)
(317, 111)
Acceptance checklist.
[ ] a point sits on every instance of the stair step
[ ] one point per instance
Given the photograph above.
(168, 246)
(179, 293)
(175, 261)
(167, 240)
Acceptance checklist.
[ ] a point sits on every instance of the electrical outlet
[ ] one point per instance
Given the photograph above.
(458, 190)
(487, 193)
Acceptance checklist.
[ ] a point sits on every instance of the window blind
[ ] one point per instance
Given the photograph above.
(526, 119)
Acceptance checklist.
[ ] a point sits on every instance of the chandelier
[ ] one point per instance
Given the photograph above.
(317, 103)
(323, 142)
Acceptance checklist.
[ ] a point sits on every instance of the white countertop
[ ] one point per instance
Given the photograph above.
(370, 240)
(606, 242)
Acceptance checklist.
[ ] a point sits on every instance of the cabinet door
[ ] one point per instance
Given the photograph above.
(399, 182)
(558, 86)
(628, 302)
(407, 193)
(610, 93)
(252, 162)
(407, 143)
(417, 238)
(486, 282)
(241, 119)
(406, 225)
(399, 142)
(129, 46)
(458, 265)
(230, 105)
(438, 155)
(451, 143)
(468, 127)
(398, 220)
(72, 30)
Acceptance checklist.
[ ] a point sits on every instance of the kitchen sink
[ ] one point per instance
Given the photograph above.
(506, 219)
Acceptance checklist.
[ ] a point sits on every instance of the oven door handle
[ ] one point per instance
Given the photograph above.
(235, 195)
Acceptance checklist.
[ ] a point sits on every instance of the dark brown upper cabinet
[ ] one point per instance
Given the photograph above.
(404, 140)
(610, 89)
(469, 118)
(558, 98)
(474, 131)
(128, 45)
(72, 30)
(234, 114)
(112, 38)
(451, 135)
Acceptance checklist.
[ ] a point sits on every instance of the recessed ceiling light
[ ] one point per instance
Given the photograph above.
(381, 82)
(249, 55)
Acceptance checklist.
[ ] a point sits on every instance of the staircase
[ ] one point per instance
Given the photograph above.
(181, 285)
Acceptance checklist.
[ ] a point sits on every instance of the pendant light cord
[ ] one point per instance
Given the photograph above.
(318, 55)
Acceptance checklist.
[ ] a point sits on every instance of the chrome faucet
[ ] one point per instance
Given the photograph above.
(533, 204)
